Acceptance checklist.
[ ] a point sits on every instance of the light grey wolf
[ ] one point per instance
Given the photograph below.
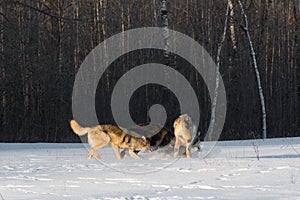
(183, 130)
(119, 138)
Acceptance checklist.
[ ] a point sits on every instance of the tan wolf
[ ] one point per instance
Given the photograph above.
(182, 130)
(119, 138)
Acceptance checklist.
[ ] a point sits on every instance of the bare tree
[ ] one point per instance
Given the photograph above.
(231, 24)
(214, 101)
(261, 95)
(43, 43)
(165, 21)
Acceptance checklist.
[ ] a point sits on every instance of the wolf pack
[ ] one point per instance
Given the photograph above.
(133, 140)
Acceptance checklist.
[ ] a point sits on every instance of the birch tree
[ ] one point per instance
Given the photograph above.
(260, 90)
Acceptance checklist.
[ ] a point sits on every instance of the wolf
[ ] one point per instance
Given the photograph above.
(119, 138)
(183, 130)
(158, 137)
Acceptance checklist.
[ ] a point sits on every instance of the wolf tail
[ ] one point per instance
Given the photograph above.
(78, 129)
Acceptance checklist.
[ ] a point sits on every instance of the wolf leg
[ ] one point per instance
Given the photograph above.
(133, 155)
(93, 151)
(90, 155)
(123, 153)
(116, 150)
(176, 148)
(187, 150)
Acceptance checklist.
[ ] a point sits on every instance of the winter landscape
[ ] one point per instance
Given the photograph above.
(231, 66)
(231, 171)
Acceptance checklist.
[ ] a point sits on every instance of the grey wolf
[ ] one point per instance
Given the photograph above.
(183, 130)
(119, 138)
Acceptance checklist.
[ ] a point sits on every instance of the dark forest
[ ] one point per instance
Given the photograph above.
(43, 43)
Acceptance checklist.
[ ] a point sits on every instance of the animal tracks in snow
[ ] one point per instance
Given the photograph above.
(61, 171)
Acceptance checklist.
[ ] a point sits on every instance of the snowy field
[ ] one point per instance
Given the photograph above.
(232, 171)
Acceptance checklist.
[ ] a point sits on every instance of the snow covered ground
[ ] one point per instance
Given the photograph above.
(232, 171)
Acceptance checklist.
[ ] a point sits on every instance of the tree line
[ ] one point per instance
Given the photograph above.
(43, 43)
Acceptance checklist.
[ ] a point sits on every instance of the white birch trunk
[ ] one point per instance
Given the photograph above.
(261, 95)
(164, 16)
(214, 101)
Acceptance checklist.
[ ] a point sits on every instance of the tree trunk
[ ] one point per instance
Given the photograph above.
(260, 90)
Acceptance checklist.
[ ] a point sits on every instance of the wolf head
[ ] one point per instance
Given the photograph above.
(146, 144)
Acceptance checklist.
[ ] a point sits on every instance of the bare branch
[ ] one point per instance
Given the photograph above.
(255, 147)
(44, 12)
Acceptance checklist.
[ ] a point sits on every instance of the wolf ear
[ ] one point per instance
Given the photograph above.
(144, 138)
(176, 122)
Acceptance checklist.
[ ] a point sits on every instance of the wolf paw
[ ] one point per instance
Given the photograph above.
(89, 156)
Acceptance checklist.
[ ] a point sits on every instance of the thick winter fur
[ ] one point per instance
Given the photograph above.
(156, 136)
(101, 135)
(182, 130)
